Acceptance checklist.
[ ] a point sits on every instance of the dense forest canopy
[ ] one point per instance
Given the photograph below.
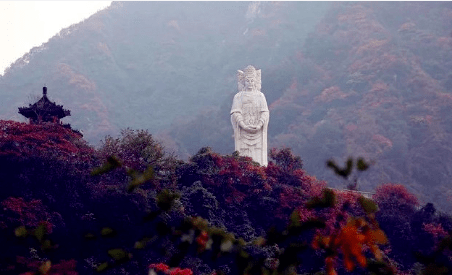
(129, 207)
(368, 79)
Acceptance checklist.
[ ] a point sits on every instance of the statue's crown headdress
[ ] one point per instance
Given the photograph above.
(249, 72)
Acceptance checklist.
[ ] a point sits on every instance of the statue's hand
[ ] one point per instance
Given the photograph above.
(252, 129)
(246, 127)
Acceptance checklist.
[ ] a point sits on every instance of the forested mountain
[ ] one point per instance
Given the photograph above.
(368, 79)
(144, 64)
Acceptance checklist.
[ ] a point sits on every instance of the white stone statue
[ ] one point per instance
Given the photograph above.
(249, 116)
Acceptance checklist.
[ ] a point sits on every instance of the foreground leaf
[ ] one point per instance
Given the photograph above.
(45, 267)
(111, 164)
(118, 254)
(20, 232)
(368, 205)
(102, 267)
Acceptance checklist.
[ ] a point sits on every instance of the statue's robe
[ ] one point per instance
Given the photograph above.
(250, 107)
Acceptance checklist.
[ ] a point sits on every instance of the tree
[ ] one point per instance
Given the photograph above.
(136, 151)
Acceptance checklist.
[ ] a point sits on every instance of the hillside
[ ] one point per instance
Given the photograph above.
(375, 82)
(67, 209)
(368, 79)
(142, 65)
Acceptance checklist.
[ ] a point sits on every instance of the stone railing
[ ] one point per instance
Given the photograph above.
(363, 193)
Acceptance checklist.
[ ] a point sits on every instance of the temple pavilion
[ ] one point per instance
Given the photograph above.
(44, 110)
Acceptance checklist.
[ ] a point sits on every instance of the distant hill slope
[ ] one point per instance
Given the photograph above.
(144, 64)
(375, 81)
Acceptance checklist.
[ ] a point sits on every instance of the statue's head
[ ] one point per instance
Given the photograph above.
(249, 79)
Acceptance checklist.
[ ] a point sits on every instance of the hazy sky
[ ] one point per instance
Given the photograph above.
(27, 24)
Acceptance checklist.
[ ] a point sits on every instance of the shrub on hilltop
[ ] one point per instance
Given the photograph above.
(45, 161)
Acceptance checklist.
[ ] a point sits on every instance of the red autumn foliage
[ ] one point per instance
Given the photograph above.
(346, 206)
(236, 179)
(64, 267)
(161, 267)
(330, 94)
(436, 230)
(290, 197)
(180, 271)
(350, 231)
(351, 127)
(26, 140)
(382, 140)
(201, 240)
(395, 195)
(30, 214)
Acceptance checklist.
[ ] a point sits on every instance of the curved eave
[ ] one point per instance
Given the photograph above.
(32, 112)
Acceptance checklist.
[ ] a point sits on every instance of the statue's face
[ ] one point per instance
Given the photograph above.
(249, 83)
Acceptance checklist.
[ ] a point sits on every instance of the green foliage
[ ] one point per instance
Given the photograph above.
(119, 254)
(368, 205)
(165, 199)
(107, 232)
(139, 178)
(328, 199)
(347, 170)
(102, 267)
(139, 156)
(111, 164)
(21, 232)
(135, 149)
(141, 244)
(40, 232)
(361, 165)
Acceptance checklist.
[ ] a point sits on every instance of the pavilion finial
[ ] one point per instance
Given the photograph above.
(44, 90)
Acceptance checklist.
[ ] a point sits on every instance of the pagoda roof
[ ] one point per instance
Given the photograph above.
(44, 107)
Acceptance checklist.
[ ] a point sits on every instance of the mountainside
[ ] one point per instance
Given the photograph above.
(142, 65)
(371, 79)
(374, 81)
